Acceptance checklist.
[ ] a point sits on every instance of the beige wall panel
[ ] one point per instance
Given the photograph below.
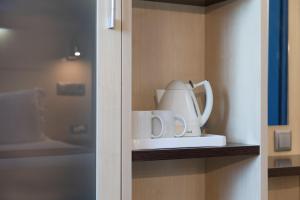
(169, 180)
(168, 44)
(284, 188)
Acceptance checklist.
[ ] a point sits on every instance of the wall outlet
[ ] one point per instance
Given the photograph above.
(282, 140)
(70, 89)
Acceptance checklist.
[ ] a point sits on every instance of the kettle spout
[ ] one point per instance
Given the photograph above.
(158, 95)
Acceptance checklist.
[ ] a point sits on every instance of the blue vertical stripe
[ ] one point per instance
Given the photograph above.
(278, 63)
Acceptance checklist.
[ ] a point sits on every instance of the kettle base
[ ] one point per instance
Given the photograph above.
(193, 131)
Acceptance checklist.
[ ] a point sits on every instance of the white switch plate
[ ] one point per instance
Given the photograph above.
(282, 140)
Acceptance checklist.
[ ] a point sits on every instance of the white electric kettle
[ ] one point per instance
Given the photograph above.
(180, 98)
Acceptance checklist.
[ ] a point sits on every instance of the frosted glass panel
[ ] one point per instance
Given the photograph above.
(47, 105)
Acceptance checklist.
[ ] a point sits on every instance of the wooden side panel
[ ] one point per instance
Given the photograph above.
(233, 36)
(126, 99)
(263, 185)
(236, 63)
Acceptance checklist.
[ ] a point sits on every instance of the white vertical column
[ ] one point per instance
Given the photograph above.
(109, 101)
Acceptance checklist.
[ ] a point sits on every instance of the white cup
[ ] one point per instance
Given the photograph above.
(169, 119)
(142, 123)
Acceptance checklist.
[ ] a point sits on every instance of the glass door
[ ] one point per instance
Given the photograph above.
(47, 99)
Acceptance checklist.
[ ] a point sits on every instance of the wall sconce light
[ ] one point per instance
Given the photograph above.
(74, 52)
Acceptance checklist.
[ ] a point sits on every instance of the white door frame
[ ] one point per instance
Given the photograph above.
(113, 101)
(126, 99)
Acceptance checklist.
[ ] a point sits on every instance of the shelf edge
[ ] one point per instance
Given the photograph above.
(189, 153)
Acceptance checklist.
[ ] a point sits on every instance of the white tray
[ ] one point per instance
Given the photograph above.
(207, 140)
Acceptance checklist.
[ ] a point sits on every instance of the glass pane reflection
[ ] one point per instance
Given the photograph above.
(47, 115)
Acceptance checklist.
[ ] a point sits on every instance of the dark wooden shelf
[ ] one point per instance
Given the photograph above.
(203, 152)
(284, 166)
(192, 2)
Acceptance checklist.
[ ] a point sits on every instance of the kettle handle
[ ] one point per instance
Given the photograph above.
(196, 106)
(208, 102)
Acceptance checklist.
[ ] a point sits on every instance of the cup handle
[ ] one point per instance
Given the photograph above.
(162, 127)
(182, 120)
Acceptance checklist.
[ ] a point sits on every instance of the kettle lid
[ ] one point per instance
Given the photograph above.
(177, 85)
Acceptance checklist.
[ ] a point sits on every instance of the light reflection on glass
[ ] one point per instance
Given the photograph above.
(6, 35)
